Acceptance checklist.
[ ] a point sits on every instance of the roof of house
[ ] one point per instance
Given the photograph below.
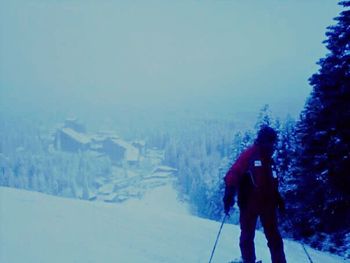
(164, 168)
(77, 136)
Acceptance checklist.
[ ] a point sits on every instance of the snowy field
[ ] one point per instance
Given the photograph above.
(38, 228)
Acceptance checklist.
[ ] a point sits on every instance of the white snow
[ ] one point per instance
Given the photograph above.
(80, 137)
(38, 228)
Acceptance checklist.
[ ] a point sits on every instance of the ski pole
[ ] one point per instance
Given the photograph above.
(307, 254)
(289, 223)
(217, 238)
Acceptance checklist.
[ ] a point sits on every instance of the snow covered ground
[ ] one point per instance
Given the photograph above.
(37, 228)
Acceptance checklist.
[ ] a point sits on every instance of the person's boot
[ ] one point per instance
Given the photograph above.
(239, 260)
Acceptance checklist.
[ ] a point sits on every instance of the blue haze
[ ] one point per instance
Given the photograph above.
(205, 58)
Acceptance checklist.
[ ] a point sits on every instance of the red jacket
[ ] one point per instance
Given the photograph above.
(256, 164)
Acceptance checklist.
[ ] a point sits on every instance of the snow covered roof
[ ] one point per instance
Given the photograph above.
(82, 138)
(164, 168)
(132, 153)
(97, 137)
(161, 172)
(108, 134)
(74, 124)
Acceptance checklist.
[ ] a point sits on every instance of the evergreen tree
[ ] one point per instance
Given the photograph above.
(264, 117)
(321, 172)
(285, 148)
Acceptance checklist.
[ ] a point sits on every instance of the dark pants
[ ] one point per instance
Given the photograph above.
(268, 218)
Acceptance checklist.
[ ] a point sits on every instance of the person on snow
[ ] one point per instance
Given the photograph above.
(255, 182)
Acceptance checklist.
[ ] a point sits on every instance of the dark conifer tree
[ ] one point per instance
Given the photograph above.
(321, 202)
(285, 149)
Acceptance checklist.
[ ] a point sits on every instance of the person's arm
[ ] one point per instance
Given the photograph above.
(279, 199)
(233, 177)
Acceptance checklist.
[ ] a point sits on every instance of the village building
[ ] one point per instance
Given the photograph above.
(119, 150)
(72, 138)
(140, 145)
(67, 139)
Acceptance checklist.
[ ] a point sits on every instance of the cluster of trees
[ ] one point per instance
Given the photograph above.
(197, 152)
(205, 151)
(203, 156)
(320, 180)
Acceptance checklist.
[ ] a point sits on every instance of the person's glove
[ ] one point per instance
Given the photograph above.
(229, 199)
(280, 203)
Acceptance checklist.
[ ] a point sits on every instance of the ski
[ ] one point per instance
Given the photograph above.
(240, 261)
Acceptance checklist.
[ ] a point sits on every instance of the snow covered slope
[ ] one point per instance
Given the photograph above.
(38, 228)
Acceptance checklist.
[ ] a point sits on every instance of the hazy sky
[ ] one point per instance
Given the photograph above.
(213, 56)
